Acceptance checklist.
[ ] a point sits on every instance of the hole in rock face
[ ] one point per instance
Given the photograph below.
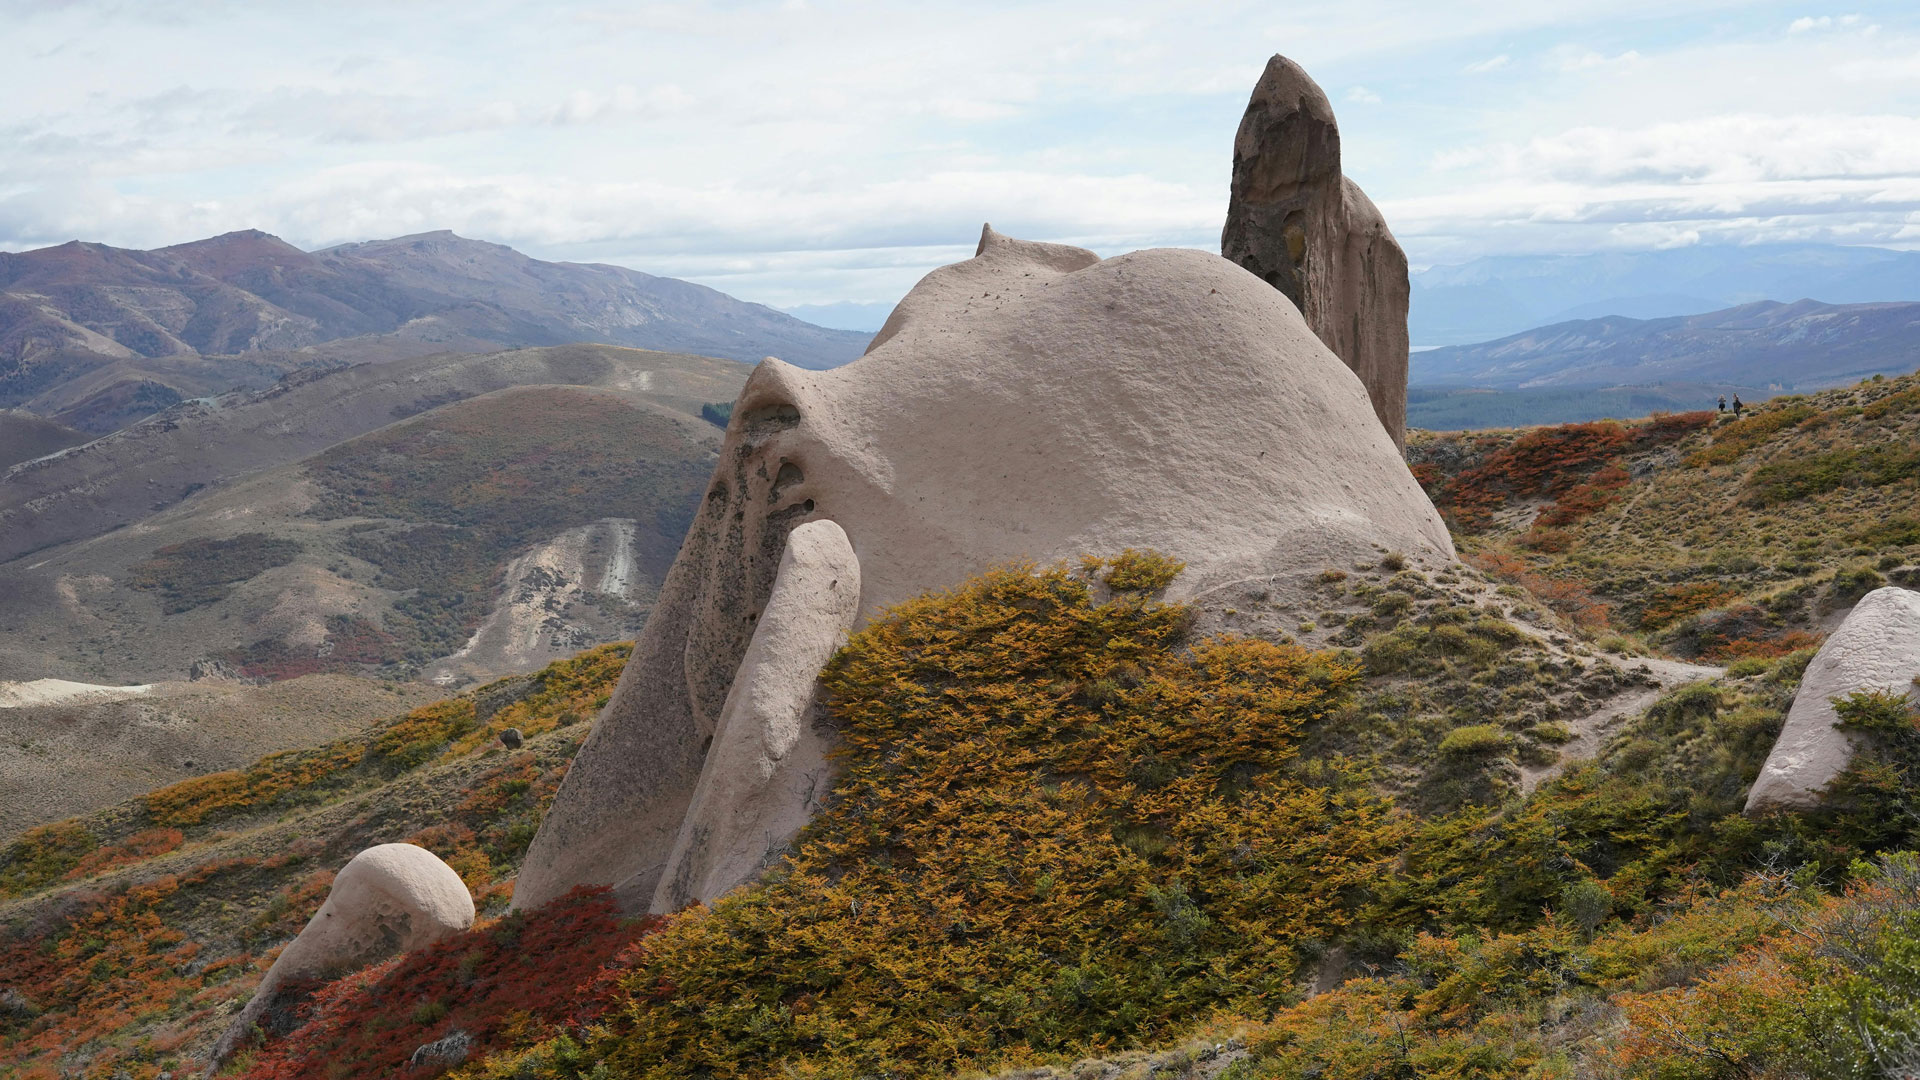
(788, 475)
(768, 418)
(807, 506)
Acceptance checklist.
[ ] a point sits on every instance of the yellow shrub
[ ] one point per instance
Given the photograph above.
(1053, 831)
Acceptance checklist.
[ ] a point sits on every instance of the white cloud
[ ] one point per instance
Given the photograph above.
(827, 152)
(1822, 22)
(1572, 59)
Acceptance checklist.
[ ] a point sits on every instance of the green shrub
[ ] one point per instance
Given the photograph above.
(1475, 742)
(199, 572)
(1799, 478)
(1552, 732)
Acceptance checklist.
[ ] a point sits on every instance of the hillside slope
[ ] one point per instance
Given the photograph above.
(74, 756)
(1708, 535)
(1054, 834)
(118, 480)
(24, 437)
(547, 512)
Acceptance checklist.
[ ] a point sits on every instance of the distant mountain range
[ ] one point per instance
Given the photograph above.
(95, 336)
(1584, 369)
(1501, 295)
(1805, 345)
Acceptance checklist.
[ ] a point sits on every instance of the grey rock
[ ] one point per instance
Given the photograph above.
(1301, 226)
(450, 1050)
(1033, 403)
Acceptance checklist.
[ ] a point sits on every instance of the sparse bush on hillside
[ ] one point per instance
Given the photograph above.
(1734, 439)
(460, 493)
(130, 971)
(1758, 512)
(44, 854)
(198, 572)
(1873, 466)
(717, 413)
(1475, 743)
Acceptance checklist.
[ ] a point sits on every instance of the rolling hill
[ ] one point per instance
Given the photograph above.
(117, 480)
(415, 519)
(94, 335)
(24, 436)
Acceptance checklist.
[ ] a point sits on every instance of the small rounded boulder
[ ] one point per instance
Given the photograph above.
(389, 899)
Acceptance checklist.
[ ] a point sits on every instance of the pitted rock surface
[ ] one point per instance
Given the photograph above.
(1034, 402)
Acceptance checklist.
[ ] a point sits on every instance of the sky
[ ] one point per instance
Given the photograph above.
(807, 152)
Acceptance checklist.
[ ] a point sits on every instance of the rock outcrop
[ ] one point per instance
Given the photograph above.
(767, 770)
(1032, 403)
(1300, 225)
(1877, 647)
(389, 899)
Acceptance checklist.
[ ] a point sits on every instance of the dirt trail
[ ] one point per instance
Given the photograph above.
(1591, 731)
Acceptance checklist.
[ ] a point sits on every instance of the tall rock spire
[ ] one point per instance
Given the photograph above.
(1304, 228)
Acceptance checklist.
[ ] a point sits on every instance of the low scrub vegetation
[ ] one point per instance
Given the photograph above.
(503, 981)
(199, 572)
(1716, 538)
(1064, 825)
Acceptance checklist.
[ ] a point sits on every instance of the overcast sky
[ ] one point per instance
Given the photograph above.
(808, 151)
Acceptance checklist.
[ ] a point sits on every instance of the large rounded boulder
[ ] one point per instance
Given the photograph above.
(1034, 402)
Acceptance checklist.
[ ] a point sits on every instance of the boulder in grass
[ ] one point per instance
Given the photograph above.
(1876, 648)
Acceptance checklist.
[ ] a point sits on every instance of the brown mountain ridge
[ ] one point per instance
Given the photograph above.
(95, 336)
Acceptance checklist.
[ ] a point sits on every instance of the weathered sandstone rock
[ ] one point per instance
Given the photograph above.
(1876, 648)
(1300, 225)
(391, 898)
(767, 770)
(1033, 402)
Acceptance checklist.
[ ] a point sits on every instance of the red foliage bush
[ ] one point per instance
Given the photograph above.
(1766, 648)
(1571, 599)
(1679, 601)
(1545, 462)
(1576, 465)
(1662, 428)
(503, 983)
(141, 845)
